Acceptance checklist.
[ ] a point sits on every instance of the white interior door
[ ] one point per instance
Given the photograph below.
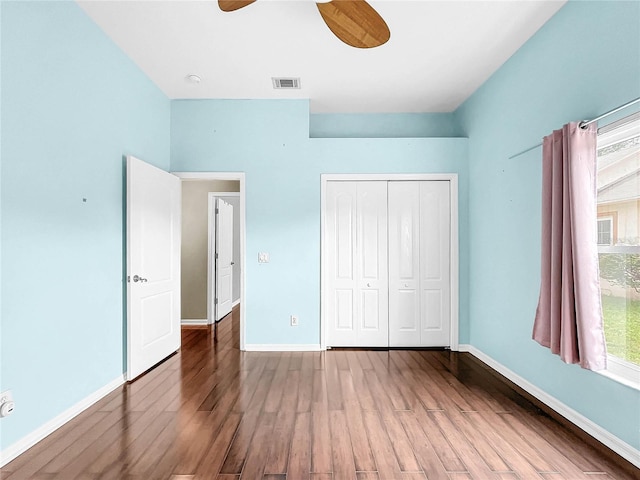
(153, 265)
(224, 258)
(419, 264)
(357, 281)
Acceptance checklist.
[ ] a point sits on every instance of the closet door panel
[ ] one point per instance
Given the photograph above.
(435, 263)
(372, 271)
(432, 306)
(343, 310)
(404, 263)
(341, 264)
(357, 272)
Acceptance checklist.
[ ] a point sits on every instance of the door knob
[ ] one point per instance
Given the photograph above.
(233, 263)
(368, 284)
(136, 278)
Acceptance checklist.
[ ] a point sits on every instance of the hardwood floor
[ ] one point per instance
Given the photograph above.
(213, 412)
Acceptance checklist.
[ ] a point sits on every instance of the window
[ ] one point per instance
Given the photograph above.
(605, 231)
(618, 186)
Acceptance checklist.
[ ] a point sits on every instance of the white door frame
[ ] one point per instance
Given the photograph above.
(452, 178)
(211, 238)
(238, 176)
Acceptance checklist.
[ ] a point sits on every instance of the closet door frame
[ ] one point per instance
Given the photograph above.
(452, 178)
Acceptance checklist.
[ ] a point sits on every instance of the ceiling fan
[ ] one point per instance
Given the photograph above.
(355, 22)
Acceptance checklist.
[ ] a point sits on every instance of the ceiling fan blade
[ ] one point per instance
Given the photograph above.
(231, 5)
(355, 22)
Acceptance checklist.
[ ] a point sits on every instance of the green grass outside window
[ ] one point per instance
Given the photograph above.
(622, 327)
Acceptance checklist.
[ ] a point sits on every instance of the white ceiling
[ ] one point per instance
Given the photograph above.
(439, 53)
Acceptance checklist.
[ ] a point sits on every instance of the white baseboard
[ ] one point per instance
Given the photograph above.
(194, 321)
(596, 431)
(52, 425)
(237, 302)
(280, 347)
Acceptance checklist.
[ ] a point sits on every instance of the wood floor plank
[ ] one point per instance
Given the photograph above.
(334, 391)
(305, 391)
(439, 383)
(251, 381)
(152, 444)
(299, 466)
(213, 459)
(320, 441)
(274, 396)
(192, 441)
(362, 455)
(367, 476)
(257, 454)
(425, 453)
(239, 447)
(344, 467)
(388, 467)
(364, 397)
(480, 439)
(290, 394)
(401, 445)
(385, 380)
(473, 461)
(281, 442)
(295, 363)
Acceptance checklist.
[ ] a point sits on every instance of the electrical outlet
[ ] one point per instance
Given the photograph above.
(294, 320)
(263, 257)
(7, 404)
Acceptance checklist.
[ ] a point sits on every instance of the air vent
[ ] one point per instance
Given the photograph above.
(286, 83)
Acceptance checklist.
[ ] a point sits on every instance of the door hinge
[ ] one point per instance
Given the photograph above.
(215, 301)
(128, 278)
(217, 210)
(216, 255)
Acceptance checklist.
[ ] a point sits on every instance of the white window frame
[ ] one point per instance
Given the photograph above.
(618, 369)
(610, 221)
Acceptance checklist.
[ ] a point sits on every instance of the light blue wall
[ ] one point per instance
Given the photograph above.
(269, 140)
(398, 125)
(72, 105)
(583, 62)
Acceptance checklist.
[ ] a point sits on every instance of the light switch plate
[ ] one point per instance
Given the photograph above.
(263, 257)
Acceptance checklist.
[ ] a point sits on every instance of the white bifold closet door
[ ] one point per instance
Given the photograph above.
(419, 264)
(388, 263)
(356, 233)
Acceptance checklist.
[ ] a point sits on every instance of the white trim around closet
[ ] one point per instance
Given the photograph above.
(354, 177)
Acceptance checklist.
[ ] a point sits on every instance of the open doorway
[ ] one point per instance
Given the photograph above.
(200, 192)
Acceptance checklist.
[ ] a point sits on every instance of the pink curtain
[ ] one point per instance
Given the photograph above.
(569, 314)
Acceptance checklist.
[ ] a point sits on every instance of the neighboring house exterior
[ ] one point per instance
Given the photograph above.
(619, 205)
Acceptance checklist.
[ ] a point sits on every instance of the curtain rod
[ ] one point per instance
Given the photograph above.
(584, 124)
